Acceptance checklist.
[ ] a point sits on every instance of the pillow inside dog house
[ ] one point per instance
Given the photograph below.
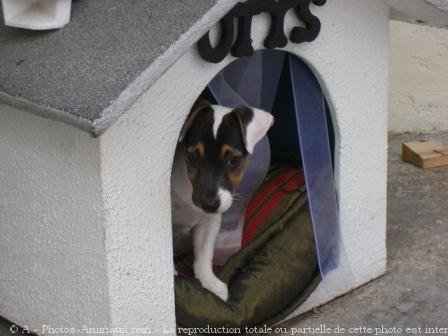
(271, 275)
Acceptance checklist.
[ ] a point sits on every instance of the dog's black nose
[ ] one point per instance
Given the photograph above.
(210, 202)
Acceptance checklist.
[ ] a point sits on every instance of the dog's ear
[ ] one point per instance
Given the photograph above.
(254, 124)
(198, 106)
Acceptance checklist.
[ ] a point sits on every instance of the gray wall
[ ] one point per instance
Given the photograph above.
(418, 78)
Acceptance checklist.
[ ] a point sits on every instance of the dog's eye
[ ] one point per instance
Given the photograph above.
(233, 162)
(193, 158)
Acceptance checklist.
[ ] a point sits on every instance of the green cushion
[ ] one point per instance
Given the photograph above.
(268, 279)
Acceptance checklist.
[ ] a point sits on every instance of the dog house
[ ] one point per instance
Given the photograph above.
(89, 121)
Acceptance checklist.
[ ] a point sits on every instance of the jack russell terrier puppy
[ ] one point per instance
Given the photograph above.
(214, 148)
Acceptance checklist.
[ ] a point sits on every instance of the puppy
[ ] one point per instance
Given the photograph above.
(214, 148)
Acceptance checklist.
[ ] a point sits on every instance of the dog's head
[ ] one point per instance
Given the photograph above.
(217, 143)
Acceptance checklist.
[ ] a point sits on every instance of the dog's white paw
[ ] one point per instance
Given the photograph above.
(221, 290)
(216, 286)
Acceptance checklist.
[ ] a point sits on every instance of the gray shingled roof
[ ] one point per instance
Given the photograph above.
(76, 73)
(92, 70)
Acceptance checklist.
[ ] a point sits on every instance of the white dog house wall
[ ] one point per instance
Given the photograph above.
(85, 214)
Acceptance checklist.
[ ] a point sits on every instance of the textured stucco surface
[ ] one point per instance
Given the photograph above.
(418, 78)
(52, 260)
(350, 57)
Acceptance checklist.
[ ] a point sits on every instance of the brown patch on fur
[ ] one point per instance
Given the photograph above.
(233, 178)
(199, 149)
(191, 172)
(227, 150)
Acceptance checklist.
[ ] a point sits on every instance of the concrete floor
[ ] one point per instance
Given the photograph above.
(414, 292)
